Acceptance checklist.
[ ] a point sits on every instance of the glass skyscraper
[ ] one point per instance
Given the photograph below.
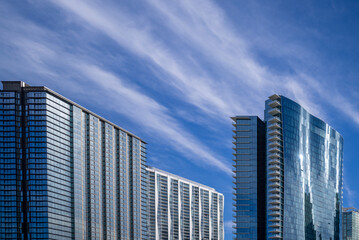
(65, 172)
(249, 175)
(304, 158)
(182, 209)
(350, 224)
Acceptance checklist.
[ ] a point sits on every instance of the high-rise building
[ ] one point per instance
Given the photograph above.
(182, 209)
(304, 158)
(350, 224)
(67, 173)
(249, 174)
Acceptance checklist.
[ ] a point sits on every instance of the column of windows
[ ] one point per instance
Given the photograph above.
(10, 166)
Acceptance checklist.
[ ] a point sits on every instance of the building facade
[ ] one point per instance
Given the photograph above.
(182, 209)
(67, 173)
(250, 177)
(350, 224)
(304, 158)
(306, 155)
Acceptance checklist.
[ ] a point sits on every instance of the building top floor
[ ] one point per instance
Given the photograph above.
(182, 179)
(19, 86)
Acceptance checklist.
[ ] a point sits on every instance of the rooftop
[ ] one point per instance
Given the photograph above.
(350, 209)
(152, 169)
(20, 85)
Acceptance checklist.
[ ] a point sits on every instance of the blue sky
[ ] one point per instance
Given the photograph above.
(173, 72)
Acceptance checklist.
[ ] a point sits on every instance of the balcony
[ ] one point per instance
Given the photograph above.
(274, 202)
(274, 97)
(275, 150)
(274, 213)
(275, 155)
(274, 103)
(275, 219)
(275, 225)
(275, 236)
(274, 111)
(274, 207)
(274, 167)
(274, 120)
(275, 230)
(275, 173)
(275, 138)
(274, 179)
(274, 185)
(275, 190)
(274, 144)
(274, 132)
(274, 161)
(274, 196)
(275, 126)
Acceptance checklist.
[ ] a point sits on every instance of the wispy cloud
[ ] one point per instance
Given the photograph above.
(351, 196)
(300, 90)
(228, 226)
(47, 57)
(332, 96)
(194, 85)
(205, 28)
(204, 25)
(194, 55)
(150, 114)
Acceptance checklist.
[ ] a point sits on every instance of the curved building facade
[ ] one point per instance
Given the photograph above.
(304, 173)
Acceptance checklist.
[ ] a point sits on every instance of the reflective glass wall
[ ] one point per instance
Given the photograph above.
(309, 164)
(11, 173)
(249, 175)
(66, 173)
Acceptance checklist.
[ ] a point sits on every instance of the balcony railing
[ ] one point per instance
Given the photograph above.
(275, 138)
(275, 236)
(274, 144)
(274, 132)
(275, 173)
(275, 126)
(275, 150)
(275, 225)
(274, 196)
(274, 161)
(275, 190)
(275, 230)
(274, 167)
(274, 213)
(274, 103)
(274, 97)
(274, 111)
(274, 185)
(275, 219)
(275, 207)
(274, 179)
(274, 120)
(274, 201)
(275, 155)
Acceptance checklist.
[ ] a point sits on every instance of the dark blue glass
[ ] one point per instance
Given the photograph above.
(249, 174)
